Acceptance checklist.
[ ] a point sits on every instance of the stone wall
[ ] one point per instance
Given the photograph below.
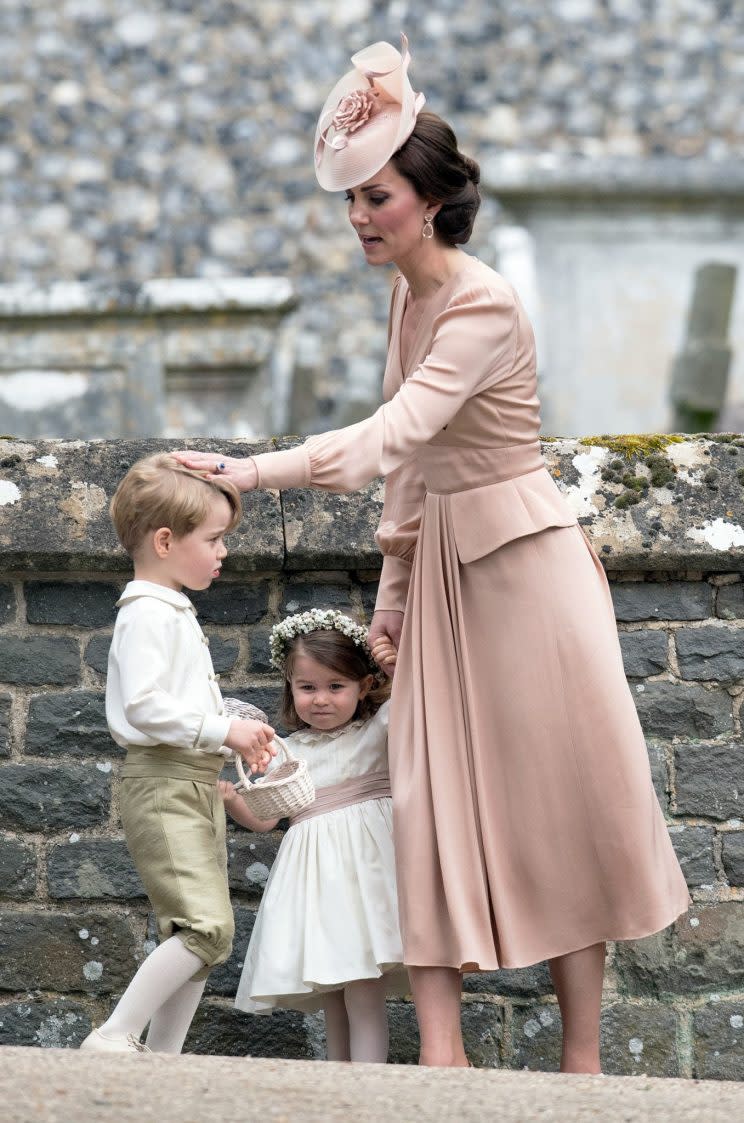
(166, 358)
(158, 140)
(668, 524)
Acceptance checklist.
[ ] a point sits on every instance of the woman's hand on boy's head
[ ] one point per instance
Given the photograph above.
(253, 740)
(240, 470)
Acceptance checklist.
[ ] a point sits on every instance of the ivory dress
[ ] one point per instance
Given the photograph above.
(526, 823)
(329, 912)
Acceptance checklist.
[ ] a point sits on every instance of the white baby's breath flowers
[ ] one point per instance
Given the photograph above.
(316, 619)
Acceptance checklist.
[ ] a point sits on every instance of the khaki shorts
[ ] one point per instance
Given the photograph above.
(175, 832)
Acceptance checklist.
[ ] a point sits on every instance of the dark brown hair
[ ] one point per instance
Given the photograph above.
(431, 161)
(339, 653)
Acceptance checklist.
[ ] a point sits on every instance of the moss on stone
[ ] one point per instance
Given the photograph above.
(631, 445)
(635, 483)
(627, 499)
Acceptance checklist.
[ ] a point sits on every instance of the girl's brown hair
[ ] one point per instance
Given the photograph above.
(431, 161)
(338, 653)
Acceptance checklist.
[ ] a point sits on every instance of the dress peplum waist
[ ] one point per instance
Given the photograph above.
(493, 495)
(450, 468)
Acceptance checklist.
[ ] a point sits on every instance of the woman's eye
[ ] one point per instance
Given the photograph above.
(378, 200)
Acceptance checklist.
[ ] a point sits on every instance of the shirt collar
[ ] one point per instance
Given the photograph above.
(136, 589)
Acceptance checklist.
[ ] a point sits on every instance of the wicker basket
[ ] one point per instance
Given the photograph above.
(287, 790)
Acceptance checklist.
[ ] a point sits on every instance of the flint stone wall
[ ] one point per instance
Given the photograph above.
(668, 525)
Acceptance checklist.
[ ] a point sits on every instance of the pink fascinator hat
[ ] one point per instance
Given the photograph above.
(367, 116)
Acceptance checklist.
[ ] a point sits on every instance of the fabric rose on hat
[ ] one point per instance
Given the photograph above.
(353, 110)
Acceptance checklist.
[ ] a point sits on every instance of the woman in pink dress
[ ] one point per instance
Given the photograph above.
(526, 823)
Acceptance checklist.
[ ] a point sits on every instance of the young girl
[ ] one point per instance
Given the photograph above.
(326, 935)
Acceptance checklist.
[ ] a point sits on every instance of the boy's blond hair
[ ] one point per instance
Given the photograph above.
(158, 491)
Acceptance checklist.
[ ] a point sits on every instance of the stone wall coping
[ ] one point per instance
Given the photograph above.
(157, 297)
(546, 175)
(644, 508)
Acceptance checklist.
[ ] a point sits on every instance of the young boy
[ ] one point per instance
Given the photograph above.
(164, 706)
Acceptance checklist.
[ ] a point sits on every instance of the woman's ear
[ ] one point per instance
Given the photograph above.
(433, 208)
(162, 540)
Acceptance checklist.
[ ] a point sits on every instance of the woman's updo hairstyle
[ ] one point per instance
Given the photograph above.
(431, 161)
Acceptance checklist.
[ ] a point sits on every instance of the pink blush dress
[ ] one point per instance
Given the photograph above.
(526, 824)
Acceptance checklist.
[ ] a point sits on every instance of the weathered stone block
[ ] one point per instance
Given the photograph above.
(71, 723)
(536, 1038)
(62, 522)
(17, 868)
(259, 658)
(7, 604)
(369, 596)
(710, 780)
(644, 653)
(703, 951)
(730, 602)
(694, 849)
(96, 653)
(672, 600)
(267, 698)
(250, 858)
(718, 1035)
(483, 1033)
(710, 653)
(528, 982)
(659, 772)
(83, 604)
(223, 1030)
(56, 1024)
(324, 530)
(404, 1033)
(733, 856)
(225, 978)
(224, 653)
(228, 603)
(42, 798)
(93, 867)
(35, 660)
(65, 952)
(299, 596)
(5, 701)
(671, 709)
(639, 1040)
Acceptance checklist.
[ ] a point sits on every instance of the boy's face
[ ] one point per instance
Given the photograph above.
(196, 559)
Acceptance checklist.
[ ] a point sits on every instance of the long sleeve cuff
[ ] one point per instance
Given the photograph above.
(290, 468)
(213, 731)
(394, 581)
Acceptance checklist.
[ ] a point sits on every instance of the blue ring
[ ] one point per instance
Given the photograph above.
(221, 466)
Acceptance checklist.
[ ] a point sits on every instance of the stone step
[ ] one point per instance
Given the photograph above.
(65, 1086)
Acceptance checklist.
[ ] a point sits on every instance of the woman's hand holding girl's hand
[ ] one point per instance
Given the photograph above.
(384, 638)
(240, 470)
(252, 739)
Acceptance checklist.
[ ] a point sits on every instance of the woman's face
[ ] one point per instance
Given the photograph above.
(388, 217)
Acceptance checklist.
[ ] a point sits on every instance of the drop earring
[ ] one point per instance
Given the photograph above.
(428, 231)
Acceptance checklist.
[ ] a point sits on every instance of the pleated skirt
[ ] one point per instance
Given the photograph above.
(526, 823)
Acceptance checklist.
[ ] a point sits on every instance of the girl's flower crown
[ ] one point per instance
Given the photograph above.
(318, 619)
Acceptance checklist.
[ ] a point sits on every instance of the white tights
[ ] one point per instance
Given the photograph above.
(164, 993)
(356, 1022)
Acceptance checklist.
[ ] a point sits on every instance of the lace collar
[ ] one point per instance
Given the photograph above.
(313, 736)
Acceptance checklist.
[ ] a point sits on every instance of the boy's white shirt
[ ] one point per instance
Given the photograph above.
(161, 687)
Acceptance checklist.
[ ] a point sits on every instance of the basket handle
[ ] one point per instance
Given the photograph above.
(244, 781)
